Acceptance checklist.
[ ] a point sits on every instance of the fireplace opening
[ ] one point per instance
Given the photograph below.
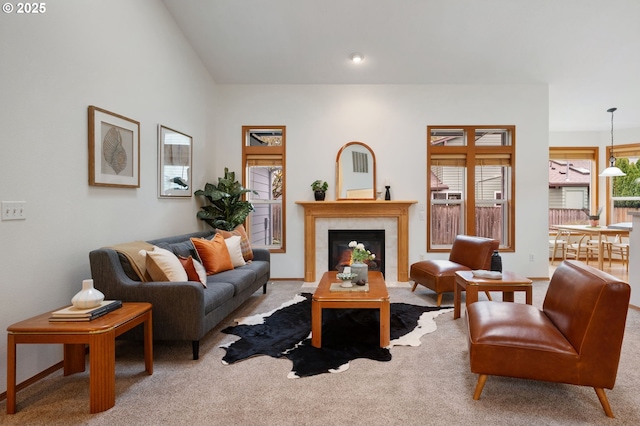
(340, 252)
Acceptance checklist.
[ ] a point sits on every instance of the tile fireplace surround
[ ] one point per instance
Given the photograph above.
(392, 216)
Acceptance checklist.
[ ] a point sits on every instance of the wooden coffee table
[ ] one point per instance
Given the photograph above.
(377, 297)
(509, 283)
(100, 334)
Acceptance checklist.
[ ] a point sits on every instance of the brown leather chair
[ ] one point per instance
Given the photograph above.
(576, 338)
(467, 253)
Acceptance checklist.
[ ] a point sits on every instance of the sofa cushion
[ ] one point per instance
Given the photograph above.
(241, 278)
(217, 295)
(184, 248)
(163, 265)
(239, 230)
(213, 254)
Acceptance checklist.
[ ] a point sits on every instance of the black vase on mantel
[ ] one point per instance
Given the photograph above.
(496, 261)
(319, 195)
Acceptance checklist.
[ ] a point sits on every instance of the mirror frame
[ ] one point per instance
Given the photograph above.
(163, 133)
(339, 172)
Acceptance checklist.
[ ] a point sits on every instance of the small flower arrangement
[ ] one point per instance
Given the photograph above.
(592, 215)
(359, 253)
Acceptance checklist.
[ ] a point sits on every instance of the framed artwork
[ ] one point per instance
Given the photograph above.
(174, 163)
(114, 149)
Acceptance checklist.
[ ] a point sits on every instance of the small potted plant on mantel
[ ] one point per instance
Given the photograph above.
(319, 189)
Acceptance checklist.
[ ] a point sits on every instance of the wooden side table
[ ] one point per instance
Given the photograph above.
(509, 283)
(100, 334)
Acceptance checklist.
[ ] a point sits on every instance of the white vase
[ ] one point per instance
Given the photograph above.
(362, 272)
(88, 297)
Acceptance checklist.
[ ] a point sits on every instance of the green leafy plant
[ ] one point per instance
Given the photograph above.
(319, 185)
(226, 208)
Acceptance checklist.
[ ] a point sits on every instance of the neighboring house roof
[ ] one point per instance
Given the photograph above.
(436, 184)
(569, 173)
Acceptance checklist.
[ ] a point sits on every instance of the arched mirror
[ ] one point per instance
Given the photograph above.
(355, 172)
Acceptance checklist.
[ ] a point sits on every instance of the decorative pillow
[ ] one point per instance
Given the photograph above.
(245, 245)
(213, 254)
(195, 270)
(162, 265)
(235, 252)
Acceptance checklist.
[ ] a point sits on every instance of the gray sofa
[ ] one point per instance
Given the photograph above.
(181, 310)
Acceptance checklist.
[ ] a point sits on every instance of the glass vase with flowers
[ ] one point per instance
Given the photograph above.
(359, 258)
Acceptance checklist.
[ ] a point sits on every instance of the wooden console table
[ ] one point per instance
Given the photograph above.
(100, 334)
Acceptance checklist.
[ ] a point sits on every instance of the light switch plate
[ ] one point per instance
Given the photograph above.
(14, 210)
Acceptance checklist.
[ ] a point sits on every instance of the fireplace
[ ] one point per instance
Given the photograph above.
(340, 253)
(393, 216)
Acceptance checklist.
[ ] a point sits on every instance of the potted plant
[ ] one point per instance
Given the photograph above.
(319, 189)
(226, 208)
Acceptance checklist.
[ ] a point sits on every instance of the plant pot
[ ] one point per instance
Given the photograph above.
(362, 273)
(319, 195)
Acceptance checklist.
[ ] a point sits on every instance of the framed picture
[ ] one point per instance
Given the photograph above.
(114, 149)
(174, 163)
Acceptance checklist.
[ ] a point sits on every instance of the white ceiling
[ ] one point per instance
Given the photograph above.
(587, 51)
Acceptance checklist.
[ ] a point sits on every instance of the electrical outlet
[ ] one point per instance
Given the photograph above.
(532, 258)
(14, 210)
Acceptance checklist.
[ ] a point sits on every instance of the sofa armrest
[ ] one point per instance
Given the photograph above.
(261, 254)
(175, 304)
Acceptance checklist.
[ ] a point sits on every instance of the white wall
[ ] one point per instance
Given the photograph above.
(392, 120)
(124, 56)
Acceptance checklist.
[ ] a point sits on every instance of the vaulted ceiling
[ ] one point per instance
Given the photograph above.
(586, 51)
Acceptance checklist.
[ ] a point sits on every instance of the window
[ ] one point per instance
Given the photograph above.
(573, 184)
(624, 190)
(263, 156)
(470, 183)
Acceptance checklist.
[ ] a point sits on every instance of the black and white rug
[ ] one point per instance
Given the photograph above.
(347, 334)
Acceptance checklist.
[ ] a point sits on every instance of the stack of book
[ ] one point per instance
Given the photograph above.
(74, 314)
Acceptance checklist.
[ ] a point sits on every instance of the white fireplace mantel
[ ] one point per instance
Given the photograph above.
(355, 209)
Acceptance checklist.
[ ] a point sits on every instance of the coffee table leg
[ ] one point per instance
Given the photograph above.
(11, 374)
(529, 296)
(316, 324)
(102, 371)
(385, 324)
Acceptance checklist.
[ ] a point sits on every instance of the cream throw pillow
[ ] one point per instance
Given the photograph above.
(163, 265)
(235, 250)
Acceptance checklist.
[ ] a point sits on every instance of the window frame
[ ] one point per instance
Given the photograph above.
(466, 156)
(619, 151)
(275, 154)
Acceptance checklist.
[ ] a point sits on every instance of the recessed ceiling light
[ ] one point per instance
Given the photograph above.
(356, 57)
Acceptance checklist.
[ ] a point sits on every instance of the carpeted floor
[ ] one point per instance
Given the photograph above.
(428, 384)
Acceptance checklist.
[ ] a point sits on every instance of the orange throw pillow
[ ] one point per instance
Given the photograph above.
(245, 245)
(213, 253)
(192, 273)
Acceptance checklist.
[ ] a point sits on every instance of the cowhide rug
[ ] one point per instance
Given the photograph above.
(347, 334)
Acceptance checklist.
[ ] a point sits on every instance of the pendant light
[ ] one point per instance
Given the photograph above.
(612, 170)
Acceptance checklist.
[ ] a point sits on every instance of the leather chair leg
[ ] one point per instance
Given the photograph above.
(415, 284)
(439, 302)
(482, 379)
(604, 401)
